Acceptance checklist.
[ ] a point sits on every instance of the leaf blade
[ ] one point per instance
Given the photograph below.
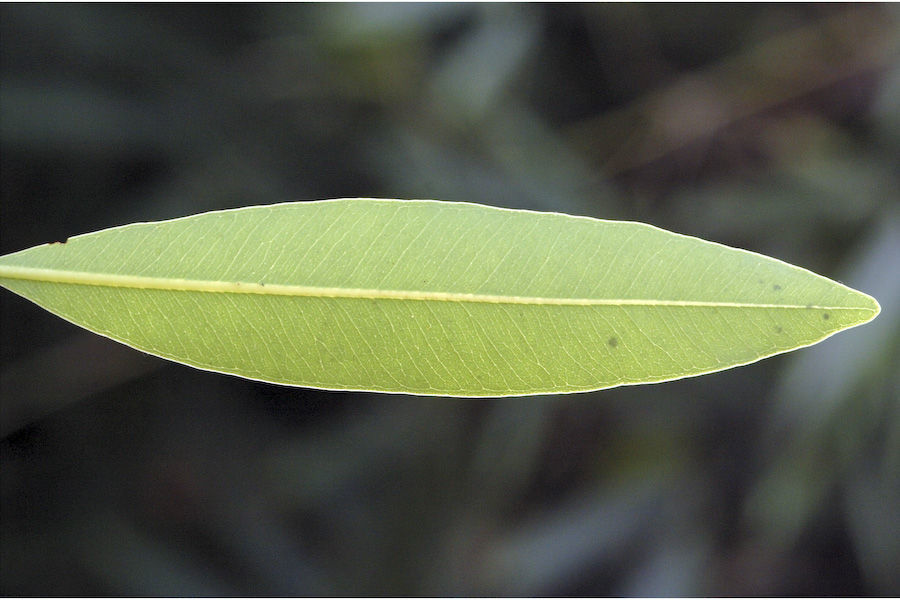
(428, 297)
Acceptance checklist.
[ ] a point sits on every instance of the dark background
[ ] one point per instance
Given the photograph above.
(774, 128)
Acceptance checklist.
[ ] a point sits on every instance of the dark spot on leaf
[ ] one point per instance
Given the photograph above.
(826, 316)
(809, 306)
(613, 342)
(776, 287)
(760, 281)
(778, 329)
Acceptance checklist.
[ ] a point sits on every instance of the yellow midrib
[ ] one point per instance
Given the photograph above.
(274, 289)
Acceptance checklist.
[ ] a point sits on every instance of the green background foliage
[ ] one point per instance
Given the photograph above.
(772, 128)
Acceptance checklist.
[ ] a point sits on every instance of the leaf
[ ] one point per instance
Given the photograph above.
(428, 297)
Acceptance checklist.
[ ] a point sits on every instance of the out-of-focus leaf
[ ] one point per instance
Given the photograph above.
(839, 405)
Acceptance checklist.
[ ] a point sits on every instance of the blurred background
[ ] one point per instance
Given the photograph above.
(774, 128)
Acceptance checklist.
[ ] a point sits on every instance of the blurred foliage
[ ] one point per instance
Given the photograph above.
(772, 127)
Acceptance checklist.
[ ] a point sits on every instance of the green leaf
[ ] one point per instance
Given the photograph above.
(429, 297)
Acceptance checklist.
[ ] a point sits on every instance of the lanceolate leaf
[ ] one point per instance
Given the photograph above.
(430, 297)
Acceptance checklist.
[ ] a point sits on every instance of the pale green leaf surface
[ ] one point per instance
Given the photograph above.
(430, 297)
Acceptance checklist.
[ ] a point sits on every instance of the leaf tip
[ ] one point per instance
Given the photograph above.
(869, 303)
